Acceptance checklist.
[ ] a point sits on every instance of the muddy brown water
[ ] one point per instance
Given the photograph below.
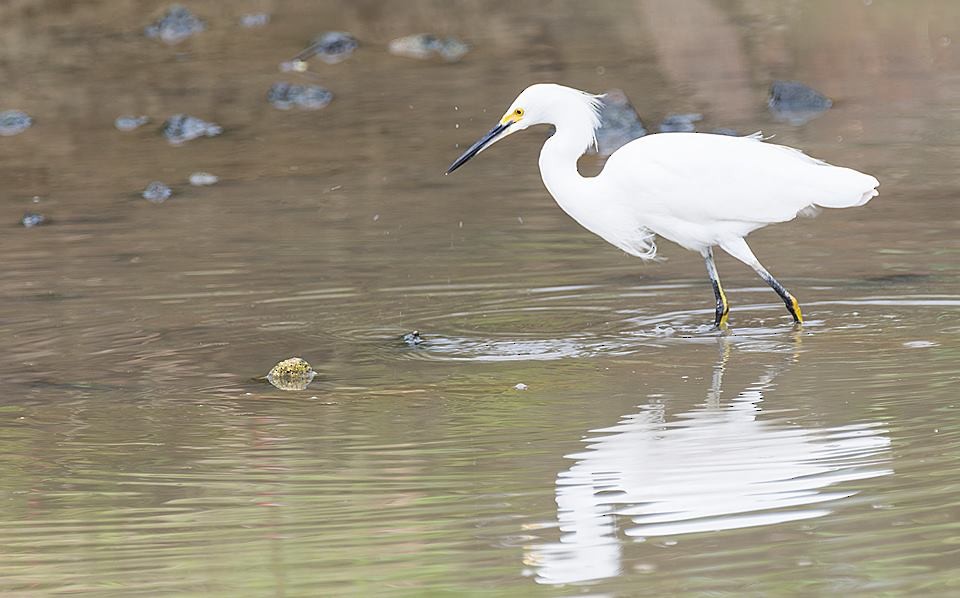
(648, 456)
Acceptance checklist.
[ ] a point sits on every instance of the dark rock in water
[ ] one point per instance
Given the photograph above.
(157, 192)
(32, 219)
(331, 47)
(619, 123)
(680, 123)
(254, 20)
(725, 131)
(14, 122)
(129, 123)
(182, 127)
(176, 25)
(288, 95)
(795, 102)
(291, 374)
(412, 338)
(425, 45)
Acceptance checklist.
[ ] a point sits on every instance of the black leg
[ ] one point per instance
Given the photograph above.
(723, 307)
(789, 300)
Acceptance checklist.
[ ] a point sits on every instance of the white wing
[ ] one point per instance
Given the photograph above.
(696, 188)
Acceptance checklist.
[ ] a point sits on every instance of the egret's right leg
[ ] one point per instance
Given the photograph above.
(739, 249)
(723, 307)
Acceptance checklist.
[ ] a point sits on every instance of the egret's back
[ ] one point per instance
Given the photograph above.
(723, 187)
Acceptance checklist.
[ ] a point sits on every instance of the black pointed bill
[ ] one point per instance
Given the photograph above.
(477, 147)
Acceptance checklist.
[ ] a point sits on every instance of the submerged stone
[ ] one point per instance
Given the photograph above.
(157, 192)
(288, 95)
(412, 338)
(14, 122)
(619, 123)
(680, 123)
(796, 102)
(425, 45)
(182, 127)
(129, 123)
(203, 179)
(176, 25)
(331, 47)
(291, 374)
(32, 219)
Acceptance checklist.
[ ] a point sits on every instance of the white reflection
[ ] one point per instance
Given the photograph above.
(714, 468)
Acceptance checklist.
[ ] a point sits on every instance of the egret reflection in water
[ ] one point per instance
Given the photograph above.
(717, 467)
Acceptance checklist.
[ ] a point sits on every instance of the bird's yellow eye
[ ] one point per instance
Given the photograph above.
(518, 112)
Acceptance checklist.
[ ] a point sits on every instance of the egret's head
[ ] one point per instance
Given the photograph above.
(540, 104)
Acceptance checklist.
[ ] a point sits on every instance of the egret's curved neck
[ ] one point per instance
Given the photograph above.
(558, 163)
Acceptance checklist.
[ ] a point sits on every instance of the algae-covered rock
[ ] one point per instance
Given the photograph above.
(291, 374)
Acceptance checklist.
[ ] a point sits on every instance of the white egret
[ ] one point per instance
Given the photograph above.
(698, 190)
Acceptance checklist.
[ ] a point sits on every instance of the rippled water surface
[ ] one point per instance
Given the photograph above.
(142, 454)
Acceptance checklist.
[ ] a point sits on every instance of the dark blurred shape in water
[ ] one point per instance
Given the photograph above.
(331, 47)
(425, 45)
(14, 122)
(796, 102)
(725, 131)
(412, 338)
(619, 123)
(129, 123)
(176, 25)
(289, 95)
(183, 127)
(32, 219)
(680, 123)
(157, 192)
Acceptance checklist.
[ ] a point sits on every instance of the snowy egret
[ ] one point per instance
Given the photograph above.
(698, 190)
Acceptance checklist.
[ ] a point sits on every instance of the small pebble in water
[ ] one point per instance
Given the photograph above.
(203, 179)
(680, 123)
(254, 20)
(14, 122)
(291, 374)
(425, 45)
(129, 123)
(288, 95)
(32, 219)
(521, 386)
(180, 128)
(157, 192)
(176, 25)
(412, 338)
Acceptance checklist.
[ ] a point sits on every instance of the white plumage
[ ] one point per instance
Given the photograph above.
(695, 189)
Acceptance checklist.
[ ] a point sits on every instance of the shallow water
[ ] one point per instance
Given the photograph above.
(142, 457)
